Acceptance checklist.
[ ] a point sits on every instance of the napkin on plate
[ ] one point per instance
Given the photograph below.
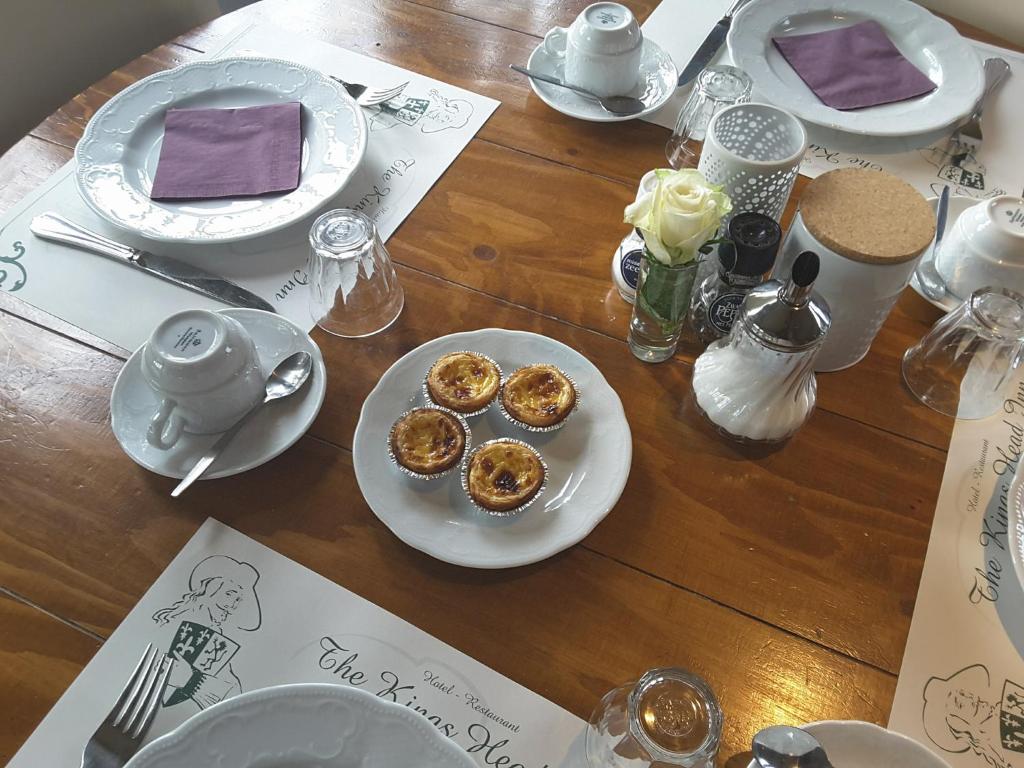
(211, 153)
(853, 67)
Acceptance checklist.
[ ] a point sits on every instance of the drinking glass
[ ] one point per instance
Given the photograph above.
(717, 87)
(963, 364)
(354, 290)
(668, 717)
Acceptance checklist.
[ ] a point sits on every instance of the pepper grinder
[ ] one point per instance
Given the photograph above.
(757, 384)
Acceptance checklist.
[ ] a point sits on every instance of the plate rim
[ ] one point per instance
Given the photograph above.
(577, 535)
(91, 127)
(772, 95)
(159, 746)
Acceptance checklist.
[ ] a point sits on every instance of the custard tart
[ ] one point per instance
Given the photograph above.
(503, 475)
(465, 382)
(428, 441)
(538, 396)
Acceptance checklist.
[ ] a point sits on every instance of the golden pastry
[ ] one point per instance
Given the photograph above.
(463, 381)
(503, 475)
(538, 395)
(428, 441)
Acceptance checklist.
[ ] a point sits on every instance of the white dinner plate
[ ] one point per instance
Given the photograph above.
(930, 43)
(957, 205)
(658, 79)
(588, 459)
(856, 744)
(118, 153)
(301, 726)
(269, 433)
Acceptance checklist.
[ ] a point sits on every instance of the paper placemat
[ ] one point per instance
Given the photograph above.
(407, 151)
(680, 26)
(961, 685)
(244, 617)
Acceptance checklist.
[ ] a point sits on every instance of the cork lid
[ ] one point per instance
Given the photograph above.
(868, 216)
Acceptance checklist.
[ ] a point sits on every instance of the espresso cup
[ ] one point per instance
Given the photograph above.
(984, 247)
(205, 368)
(601, 48)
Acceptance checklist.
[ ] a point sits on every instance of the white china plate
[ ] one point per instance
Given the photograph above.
(269, 433)
(118, 153)
(301, 726)
(855, 744)
(957, 205)
(658, 78)
(930, 43)
(588, 459)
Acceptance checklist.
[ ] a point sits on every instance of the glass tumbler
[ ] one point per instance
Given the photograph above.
(717, 87)
(354, 290)
(668, 717)
(963, 364)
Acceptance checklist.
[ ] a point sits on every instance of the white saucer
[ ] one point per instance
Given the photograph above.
(856, 744)
(957, 205)
(588, 459)
(658, 79)
(269, 433)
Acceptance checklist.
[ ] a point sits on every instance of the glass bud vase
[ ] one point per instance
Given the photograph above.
(660, 309)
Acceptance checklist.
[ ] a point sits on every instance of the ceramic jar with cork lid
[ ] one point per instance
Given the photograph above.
(869, 228)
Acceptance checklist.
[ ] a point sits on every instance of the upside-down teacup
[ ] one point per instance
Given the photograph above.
(602, 49)
(985, 246)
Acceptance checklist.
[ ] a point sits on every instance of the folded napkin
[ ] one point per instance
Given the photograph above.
(853, 67)
(229, 152)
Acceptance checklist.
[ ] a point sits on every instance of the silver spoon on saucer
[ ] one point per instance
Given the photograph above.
(783, 746)
(286, 379)
(616, 105)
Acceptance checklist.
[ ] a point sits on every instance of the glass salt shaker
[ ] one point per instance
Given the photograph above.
(757, 385)
(668, 717)
(743, 262)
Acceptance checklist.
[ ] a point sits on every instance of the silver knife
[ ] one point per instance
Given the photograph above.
(50, 226)
(710, 46)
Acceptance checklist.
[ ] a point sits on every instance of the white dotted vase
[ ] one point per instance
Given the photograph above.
(754, 151)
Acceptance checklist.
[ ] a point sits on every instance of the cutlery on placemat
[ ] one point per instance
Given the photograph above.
(710, 46)
(784, 746)
(50, 226)
(120, 735)
(928, 276)
(366, 96)
(286, 379)
(616, 105)
(967, 137)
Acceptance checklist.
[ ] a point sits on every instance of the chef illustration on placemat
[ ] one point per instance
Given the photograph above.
(221, 601)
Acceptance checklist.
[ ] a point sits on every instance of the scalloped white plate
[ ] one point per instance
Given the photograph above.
(304, 725)
(930, 43)
(856, 744)
(588, 459)
(118, 153)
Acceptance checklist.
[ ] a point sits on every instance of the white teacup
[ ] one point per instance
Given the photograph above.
(204, 365)
(984, 247)
(602, 49)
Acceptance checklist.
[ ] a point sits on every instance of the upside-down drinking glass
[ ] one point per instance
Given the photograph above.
(716, 88)
(964, 363)
(354, 290)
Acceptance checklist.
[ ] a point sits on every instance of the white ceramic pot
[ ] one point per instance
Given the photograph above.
(602, 49)
(985, 246)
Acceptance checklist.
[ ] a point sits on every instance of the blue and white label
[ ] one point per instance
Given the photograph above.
(629, 267)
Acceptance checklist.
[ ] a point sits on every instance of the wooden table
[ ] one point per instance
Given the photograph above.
(787, 578)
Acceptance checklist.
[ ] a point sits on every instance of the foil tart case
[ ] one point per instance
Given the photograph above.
(464, 474)
(419, 475)
(530, 427)
(479, 412)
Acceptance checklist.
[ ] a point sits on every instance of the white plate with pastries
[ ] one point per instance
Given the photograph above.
(588, 459)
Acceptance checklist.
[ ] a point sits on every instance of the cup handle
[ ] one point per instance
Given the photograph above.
(166, 426)
(555, 41)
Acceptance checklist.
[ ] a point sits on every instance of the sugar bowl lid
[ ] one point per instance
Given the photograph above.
(790, 316)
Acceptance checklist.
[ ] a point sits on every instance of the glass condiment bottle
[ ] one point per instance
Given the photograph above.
(757, 385)
(743, 262)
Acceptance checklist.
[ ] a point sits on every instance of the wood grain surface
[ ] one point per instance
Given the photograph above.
(786, 577)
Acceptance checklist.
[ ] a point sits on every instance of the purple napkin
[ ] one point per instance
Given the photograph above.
(229, 152)
(854, 66)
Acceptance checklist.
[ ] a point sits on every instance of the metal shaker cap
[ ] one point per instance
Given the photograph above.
(788, 316)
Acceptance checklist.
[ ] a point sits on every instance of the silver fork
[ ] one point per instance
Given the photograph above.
(121, 734)
(967, 136)
(369, 97)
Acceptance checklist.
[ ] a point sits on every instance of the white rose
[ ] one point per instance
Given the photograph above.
(677, 212)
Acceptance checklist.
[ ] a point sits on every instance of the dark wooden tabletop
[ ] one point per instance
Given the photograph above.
(787, 578)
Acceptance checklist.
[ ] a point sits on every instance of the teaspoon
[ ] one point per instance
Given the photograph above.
(616, 105)
(783, 746)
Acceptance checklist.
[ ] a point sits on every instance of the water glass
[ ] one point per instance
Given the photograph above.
(964, 363)
(668, 717)
(717, 87)
(354, 290)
